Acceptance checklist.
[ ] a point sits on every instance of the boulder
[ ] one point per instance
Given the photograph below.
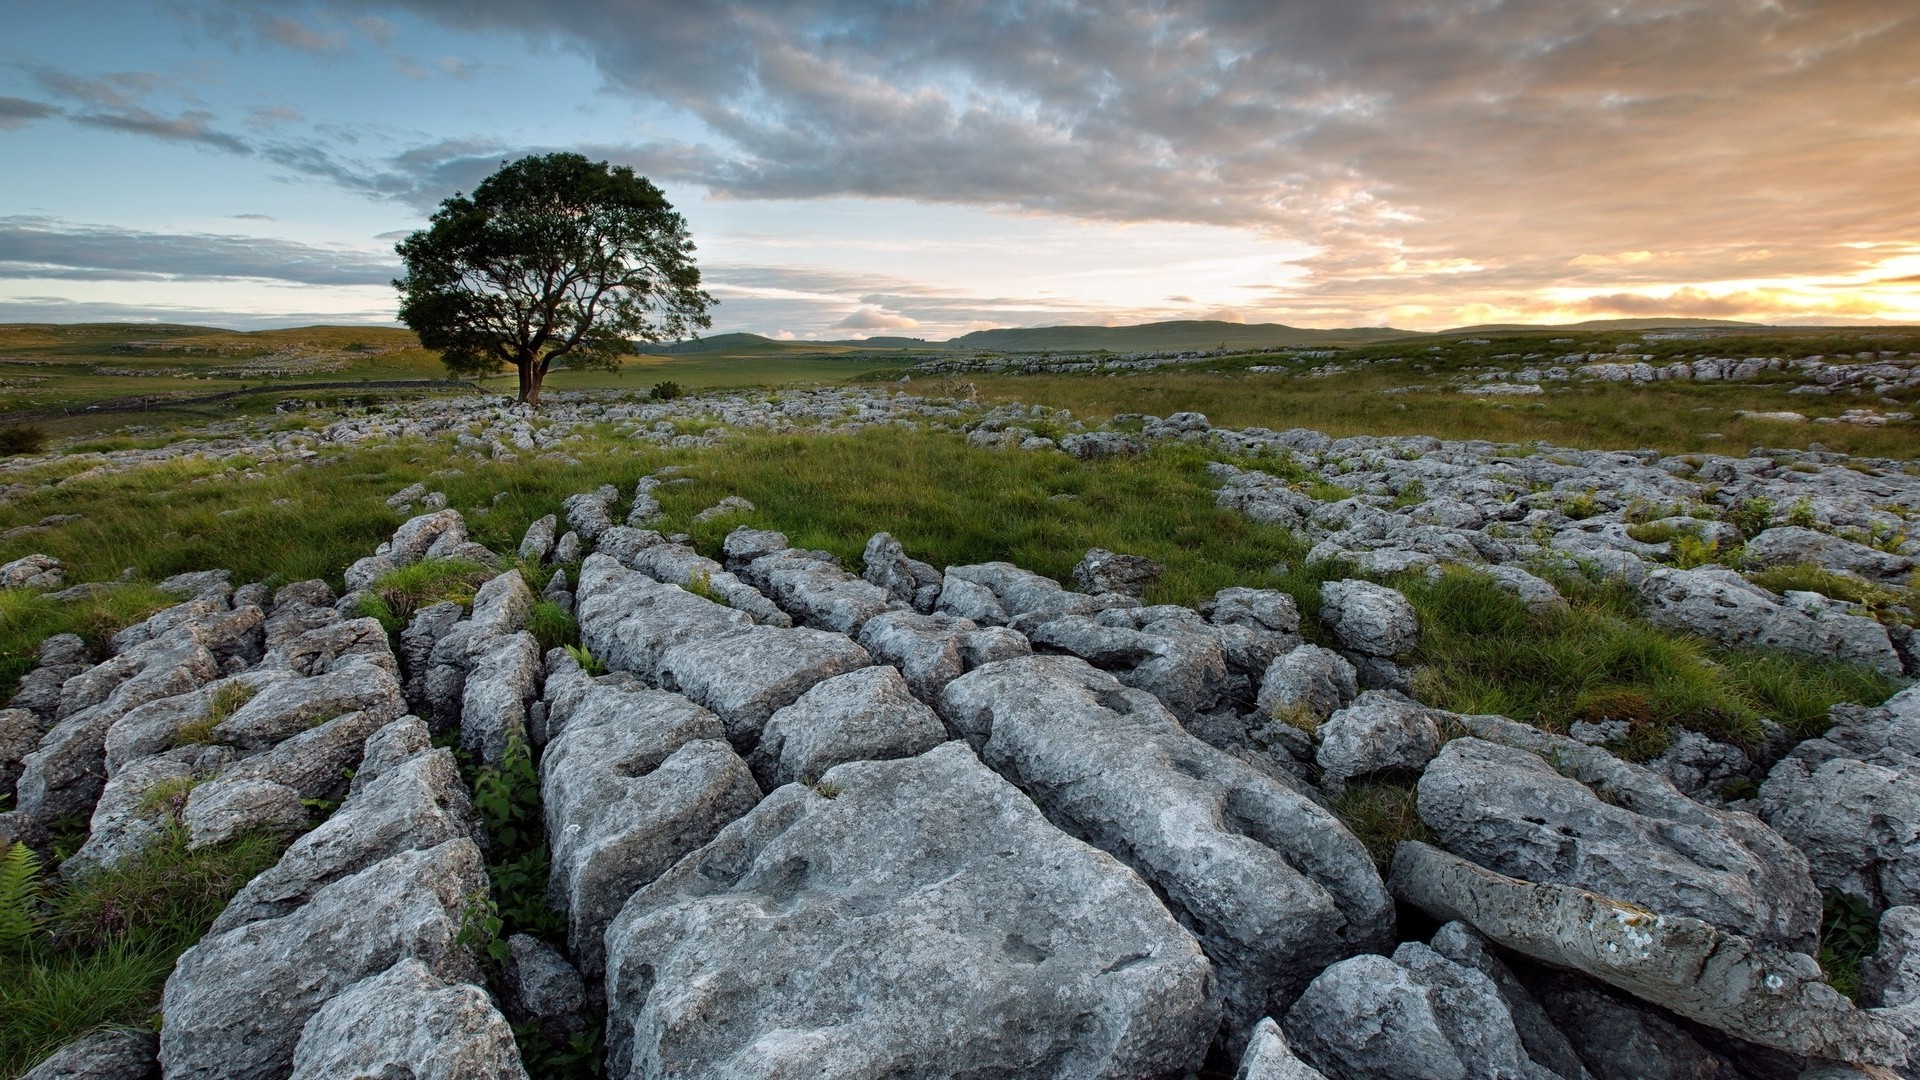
(743, 545)
(635, 779)
(287, 707)
(864, 715)
(543, 987)
(1545, 1043)
(332, 646)
(413, 540)
(923, 921)
(746, 677)
(590, 513)
(1176, 660)
(680, 565)
(1259, 609)
(213, 585)
(537, 545)
(1274, 885)
(407, 1021)
(1851, 801)
(1102, 571)
(1619, 1038)
(503, 683)
(108, 1054)
(20, 733)
(218, 812)
(1309, 680)
(1380, 732)
(1022, 592)
(1599, 823)
(33, 572)
(1369, 619)
(1537, 593)
(1720, 605)
(1772, 997)
(906, 580)
(1418, 1014)
(237, 1001)
(1268, 1057)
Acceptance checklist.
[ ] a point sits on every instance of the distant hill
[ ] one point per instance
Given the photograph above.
(1183, 334)
(1604, 325)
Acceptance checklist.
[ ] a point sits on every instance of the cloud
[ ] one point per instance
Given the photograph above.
(1680, 302)
(44, 248)
(253, 217)
(295, 34)
(872, 319)
(16, 113)
(64, 309)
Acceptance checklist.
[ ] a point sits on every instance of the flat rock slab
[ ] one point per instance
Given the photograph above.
(1545, 808)
(926, 920)
(636, 779)
(236, 1002)
(864, 715)
(1771, 997)
(630, 621)
(746, 677)
(1273, 884)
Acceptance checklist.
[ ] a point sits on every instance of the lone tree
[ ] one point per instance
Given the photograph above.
(553, 259)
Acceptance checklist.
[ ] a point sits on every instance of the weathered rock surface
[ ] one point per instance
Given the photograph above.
(933, 650)
(864, 715)
(542, 986)
(635, 779)
(1599, 823)
(1851, 801)
(1380, 732)
(236, 1002)
(407, 1021)
(1268, 1057)
(1771, 997)
(1315, 681)
(33, 572)
(906, 580)
(287, 707)
(1418, 1014)
(503, 683)
(746, 677)
(1103, 571)
(1274, 885)
(111, 1054)
(816, 592)
(415, 539)
(1787, 545)
(590, 513)
(926, 920)
(1719, 604)
(630, 621)
(1368, 618)
(1620, 1038)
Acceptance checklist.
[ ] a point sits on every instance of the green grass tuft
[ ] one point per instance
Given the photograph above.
(552, 625)
(1381, 816)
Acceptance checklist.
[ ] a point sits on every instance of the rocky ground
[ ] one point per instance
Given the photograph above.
(902, 820)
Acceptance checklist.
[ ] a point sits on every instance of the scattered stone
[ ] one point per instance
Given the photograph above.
(537, 546)
(543, 987)
(33, 572)
(1311, 680)
(1102, 571)
(110, 1054)
(1368, 618)
(732, 504)
(1380, 732)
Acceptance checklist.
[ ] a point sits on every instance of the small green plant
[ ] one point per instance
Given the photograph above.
(552, 625)
(588, 662)
(480, 926)
(666, 390)
(20, 896)
(1298, 716)
(1691, 550)
(1801, 516)
(224, 702)
(1381, 816)
(825, 790)
(1582, 506)
(169, 796)
(1849, 933)
(395, 595)
(700, 583)
(1751, 516)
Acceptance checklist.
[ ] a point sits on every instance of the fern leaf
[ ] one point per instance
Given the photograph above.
(19, 894)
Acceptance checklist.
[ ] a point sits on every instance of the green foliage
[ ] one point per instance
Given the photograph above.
(1887, 604)
(28, 617)
(507, 795)
(1483, 651)
(588, 662)
(107, 942)
(666, 390)
(1691, 550)
(1800, 514)
(553, 258)
(580, 1057)
(1849, 933)
(22, 439)
(700, 583)
(1582, 506)
(224, 702)
(397, 594)
(1381, 816)
(1412, 493)
(1751, 516)
(20, 913)
(552, 625)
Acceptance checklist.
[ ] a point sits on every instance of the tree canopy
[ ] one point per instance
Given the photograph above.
(553, 259)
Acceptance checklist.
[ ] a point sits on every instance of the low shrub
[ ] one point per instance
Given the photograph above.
(22, 439)
(397, 594)
(1849, 933)
(666, 390)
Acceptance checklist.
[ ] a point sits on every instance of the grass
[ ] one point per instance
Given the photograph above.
(225, 702)
(28, 617)
(103, 948)
(398, 593)
(1884, 602)
(1483, 651)
(1382, 815)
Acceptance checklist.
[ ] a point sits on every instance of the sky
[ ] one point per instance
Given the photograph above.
(850, 169)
